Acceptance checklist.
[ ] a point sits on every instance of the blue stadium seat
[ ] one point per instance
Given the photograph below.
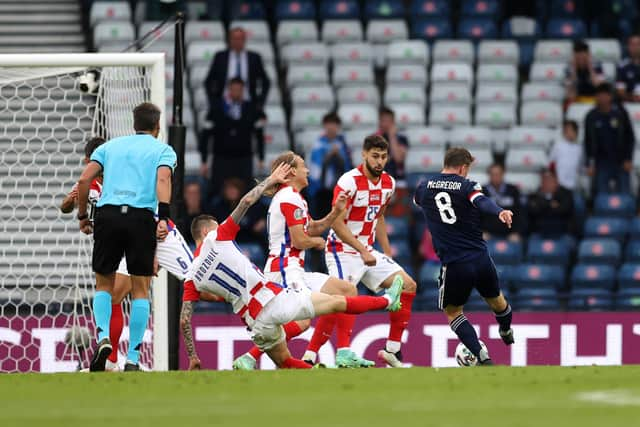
(505, 251)
(381, 9)
(429, 275)
(214, 10)
(295, 9)
(548, 251)
(534, 275)
(634, 228)
(622, 205)
(339, 9)
(536, 299)
(616, 228)
(483, 8)
(397, 228)
(246, 10)
(401, 252)
(430, 8)
(629, 276)
(477, 29)
(632, 251)
(593, 276)
(628, 299)
(559, 28)
(566, 8)
(591, 299)
(255, 253)
(600, 250)
(413, 179)
(579, 209)
(431, 29)
(505, 273)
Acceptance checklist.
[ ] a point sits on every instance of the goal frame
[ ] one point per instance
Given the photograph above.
(156, 63)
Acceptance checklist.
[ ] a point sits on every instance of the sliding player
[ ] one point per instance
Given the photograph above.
(452, 205)
(263, 305)
(350, 254)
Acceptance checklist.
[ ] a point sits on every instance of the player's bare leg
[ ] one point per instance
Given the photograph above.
(140, 310)
(102, 315)
(502, 311)
(466, 333)
(282, 357)
(121, 288)
(399, 320)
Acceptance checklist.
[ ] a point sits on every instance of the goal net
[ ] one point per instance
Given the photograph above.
(49, 109)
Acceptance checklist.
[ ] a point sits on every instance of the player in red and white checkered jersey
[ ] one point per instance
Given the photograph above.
(350, 254)
(223, 270)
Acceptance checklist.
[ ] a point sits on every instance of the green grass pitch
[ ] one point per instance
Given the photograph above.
(469, 397)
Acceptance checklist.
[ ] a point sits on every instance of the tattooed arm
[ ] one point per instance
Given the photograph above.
(187, 334)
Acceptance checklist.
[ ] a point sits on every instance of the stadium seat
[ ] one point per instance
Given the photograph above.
(526, 159)
(591, 299)
(554, 51)
(471, 136)
(536, 299)
(541, 91)
(113, 31)
(534, 275)
(527, 182)
(387, 30)
(296, 32)
(599, 250)
(586, 275)
(274, 97)
(521, 27)
(577, 112)
(452, 72)
(201, 52)
(412, 52)
(275, 116)
(605, 50)
(498, 52)
(566, 28)
(352, 74)
(358, 115)
(477, 29)
(496, 115)
(453, 51)
(276, 139)
(622, 205)
(355, 138)
(365, 94)
(632, 251)
(397, 228)
(523, 136)
(151, 27)
(426, 136)
(430, 29)
(628, 300)
(451, 93)
(300, 75)
(295, 9)
(497, 73)
(430, 8)
(541, 113)
(384, 9)
(483, 8)
(339, 31)
(306, 139)
(629, 276)
(406, 74)
(505, 252)
(496, 92)
(352, 53)
(548, 251)
(408, 114)
(339, 9)
(429, 277)
(109, 11)
(449, 115)
(307, 117)
(313, 96)
(615, 228)
(313, 53)
(246, 10)
(404, 94)
(564, 8)
(420, 160)
(547, 72)
(203, 30)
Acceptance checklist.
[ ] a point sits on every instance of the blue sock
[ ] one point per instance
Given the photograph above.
(504, 318)
(463, 329)
(102, 313)
(137, 325)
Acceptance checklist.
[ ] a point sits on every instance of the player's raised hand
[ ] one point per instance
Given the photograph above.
(162, 230)
(368, 258)
(85, 226)
(280, 173)
(506, 217)
(341, 201)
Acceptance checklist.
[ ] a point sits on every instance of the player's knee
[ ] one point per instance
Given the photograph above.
(410, 285)
(347, 289)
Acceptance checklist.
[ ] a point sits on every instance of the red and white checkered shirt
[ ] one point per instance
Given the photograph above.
(367, 202)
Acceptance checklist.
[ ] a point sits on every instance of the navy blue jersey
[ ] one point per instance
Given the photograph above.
(453, 220)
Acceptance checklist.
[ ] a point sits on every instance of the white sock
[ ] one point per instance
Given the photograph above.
(388, 299)
(393, 346)
(310, 356)
(343, 349)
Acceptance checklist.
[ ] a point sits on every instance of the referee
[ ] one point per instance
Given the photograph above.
(136, 173)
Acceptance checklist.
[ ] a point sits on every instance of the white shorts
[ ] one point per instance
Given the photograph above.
(296, 278)
(351, 268)
(173, 255)
(287, 306)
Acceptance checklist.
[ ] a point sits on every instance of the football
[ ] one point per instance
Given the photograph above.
(464, 357)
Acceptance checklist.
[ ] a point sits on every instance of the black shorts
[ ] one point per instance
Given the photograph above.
(457, 280)
(124, 231)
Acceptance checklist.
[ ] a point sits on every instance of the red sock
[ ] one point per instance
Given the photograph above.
(115, 330)
(323, 331)
(255, 352)
(344, 327)
(292, 363)
(364, 303)
(291, 329)
(399, 320)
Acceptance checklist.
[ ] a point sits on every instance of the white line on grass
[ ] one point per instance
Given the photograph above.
(611, 397)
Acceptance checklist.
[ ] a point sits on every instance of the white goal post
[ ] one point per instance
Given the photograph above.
(44, 124)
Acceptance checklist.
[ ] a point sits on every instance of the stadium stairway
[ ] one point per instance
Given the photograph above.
(33, 26)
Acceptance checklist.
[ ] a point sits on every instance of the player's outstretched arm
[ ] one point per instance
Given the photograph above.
(342, 231)
(187, 334)
(317, 227)
(488, 206)
(278, 176)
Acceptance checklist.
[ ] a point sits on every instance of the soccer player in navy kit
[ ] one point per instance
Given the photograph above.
(452, 205)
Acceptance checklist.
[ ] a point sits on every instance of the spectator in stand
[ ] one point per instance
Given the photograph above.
(330, 157)
(582, 75)
(234, 123)
(628, 74)
(551, 207)
(398, 145)
(506, 196)
(566, 156)
(609, 143)
(253, 226)
(193, 206)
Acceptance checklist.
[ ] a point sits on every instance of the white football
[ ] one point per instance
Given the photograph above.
(464, 357)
